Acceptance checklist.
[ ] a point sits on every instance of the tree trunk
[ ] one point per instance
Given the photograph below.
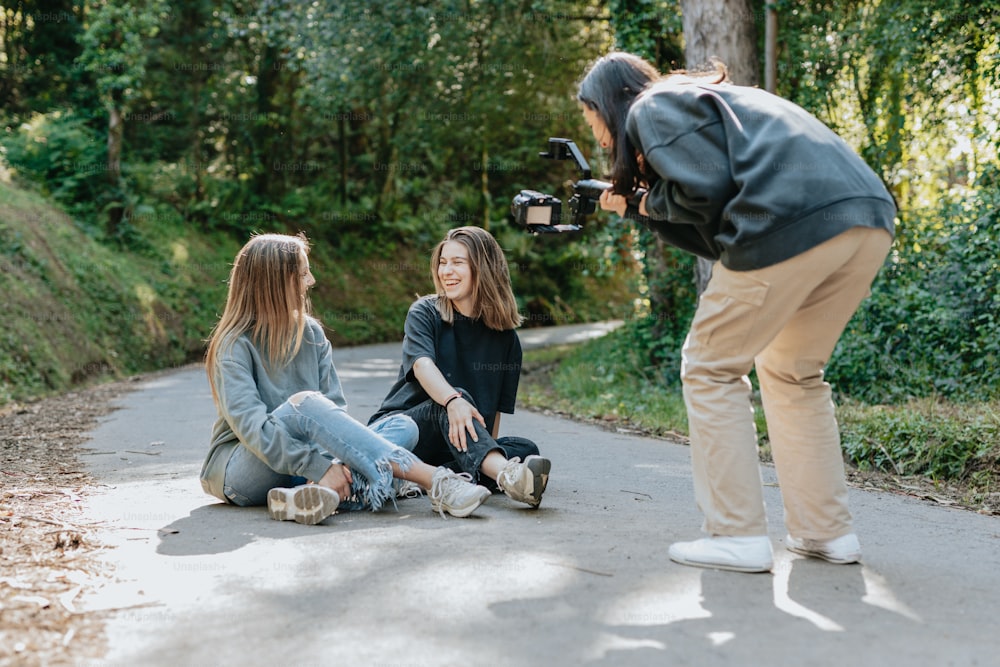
(116, 209)
(770, 48)
(270, 177)
(724, 29)
(342, 147)
(484, 185)
(115, 132)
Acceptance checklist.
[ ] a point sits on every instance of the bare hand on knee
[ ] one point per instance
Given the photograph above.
(462, 418)
(338, 477)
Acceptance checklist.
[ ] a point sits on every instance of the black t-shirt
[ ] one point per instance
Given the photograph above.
(470, 355)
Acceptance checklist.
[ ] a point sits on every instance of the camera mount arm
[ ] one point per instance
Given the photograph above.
(542, 214)
(566, 149)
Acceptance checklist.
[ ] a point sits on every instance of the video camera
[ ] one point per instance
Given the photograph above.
(540, 213)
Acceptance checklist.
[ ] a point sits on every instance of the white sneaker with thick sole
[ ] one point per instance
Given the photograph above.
(738, 554)
(308, 504)
(525, 482)
(455, 493)
(842, 550)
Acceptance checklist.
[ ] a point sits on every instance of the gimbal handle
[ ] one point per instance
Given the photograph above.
(592, 189)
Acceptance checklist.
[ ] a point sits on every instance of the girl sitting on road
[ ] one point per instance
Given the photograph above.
(461, 366)
(282, 414)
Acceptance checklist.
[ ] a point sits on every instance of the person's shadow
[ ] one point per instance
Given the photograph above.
(808, 611)
(209, 529)
(219, 527)
(845, 597)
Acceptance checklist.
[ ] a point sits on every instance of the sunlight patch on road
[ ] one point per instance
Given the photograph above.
(283, 566)
(782, 570)
(720, 638)
(605, 643)
(663, 602)
(879, 594)
(369, 368)
(540, 336)
(495, 579)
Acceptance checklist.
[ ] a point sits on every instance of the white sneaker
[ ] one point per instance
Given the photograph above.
(407, 489)
(525, 482)
(308, 503)
(842, 550)
(455, 493)
(739, 554)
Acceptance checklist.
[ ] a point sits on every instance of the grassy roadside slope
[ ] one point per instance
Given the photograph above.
(75, 310)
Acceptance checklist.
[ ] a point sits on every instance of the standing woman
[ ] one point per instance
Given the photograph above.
(282, 414)
(800, 226)
(461, 367)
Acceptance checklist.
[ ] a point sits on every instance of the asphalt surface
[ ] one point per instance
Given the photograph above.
(583, 580)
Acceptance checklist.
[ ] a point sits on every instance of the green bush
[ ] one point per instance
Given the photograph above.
(932, 324)
(920, 438)
(62, 154)
(663, 319)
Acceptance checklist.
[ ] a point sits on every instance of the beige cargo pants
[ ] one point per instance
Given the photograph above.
(785, 321)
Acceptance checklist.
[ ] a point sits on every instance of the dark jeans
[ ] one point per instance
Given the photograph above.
(434, 448)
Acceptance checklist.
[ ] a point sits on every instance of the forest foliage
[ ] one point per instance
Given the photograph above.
(914, 87)
(375, 126)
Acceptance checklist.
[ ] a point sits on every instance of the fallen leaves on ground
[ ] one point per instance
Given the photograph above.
(48, 552)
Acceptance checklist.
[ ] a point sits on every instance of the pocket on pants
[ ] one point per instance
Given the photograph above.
(236, 498)
(729, 311)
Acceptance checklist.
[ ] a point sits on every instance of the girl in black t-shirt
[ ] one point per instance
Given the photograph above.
(461, 366)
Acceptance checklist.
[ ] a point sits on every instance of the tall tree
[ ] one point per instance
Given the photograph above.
(114, 52)
(38, 42)
(439, 93)
(727, 30)
(723, 29)
(653, 30)
(186, 69)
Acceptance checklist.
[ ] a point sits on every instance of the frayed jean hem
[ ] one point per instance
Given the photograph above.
(313, 418)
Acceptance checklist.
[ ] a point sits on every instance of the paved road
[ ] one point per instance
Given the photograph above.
(583, 580)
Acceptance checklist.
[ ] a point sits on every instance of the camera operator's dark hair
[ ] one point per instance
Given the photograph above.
(610, 87)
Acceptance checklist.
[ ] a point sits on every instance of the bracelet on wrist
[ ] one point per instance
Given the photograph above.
(451, 398)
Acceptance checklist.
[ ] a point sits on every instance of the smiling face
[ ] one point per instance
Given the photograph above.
(598, 127)
(454, 273)
(306, 275)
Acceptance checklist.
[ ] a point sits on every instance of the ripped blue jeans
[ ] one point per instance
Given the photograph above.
(312, 418)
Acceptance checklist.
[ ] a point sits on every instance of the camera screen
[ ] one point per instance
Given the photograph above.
(539, 215)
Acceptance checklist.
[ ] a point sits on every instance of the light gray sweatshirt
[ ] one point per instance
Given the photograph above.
(249, 392)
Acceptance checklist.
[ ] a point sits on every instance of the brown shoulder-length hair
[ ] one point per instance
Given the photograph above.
(266, 299)
(492, 296)
(610, 87)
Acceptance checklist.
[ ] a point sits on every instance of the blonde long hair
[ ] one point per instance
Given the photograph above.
(266, 299)
(492, 296)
